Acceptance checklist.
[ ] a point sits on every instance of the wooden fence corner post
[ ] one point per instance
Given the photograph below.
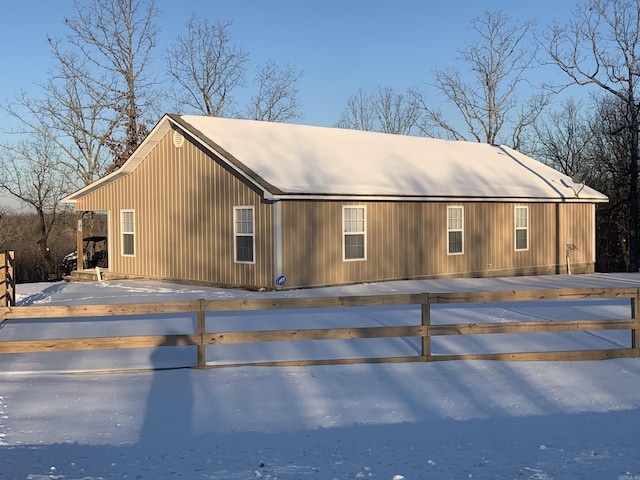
(202, 348)
(11, 279)
(635, 315)
(426, 322)
(4, 284)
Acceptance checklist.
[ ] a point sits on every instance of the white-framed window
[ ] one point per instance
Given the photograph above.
(128, 232)
(354, 233)
(243, 234)
(521, 222)
(455, 230)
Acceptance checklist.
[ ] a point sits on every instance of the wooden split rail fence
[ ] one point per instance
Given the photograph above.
(7, 279)
(425, 330)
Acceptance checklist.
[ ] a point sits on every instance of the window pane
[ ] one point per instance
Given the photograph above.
(127, 244)
(354, 247)
(521, 218)
(127, 222)
(354, 220)
(244, 249)
(244, 220)
(455, 242)
(454, 218)
(521, 239)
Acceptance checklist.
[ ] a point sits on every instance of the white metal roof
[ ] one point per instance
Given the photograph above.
(287, 160)
(300, 159)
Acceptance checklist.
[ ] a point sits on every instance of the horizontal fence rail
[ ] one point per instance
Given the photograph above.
(201, 338)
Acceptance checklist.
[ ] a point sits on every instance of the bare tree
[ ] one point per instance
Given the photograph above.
(29, 174)
(8, 229)
(487, 106)
(277, 97)
(91, 101)
(384, 111)
(609, 166)
(113, 42)
(358, 114)
(80, 125)
(206, 67)
(565, 138)
(600, 47)
(395, 112)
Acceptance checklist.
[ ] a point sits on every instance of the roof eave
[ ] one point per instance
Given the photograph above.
(427, 198)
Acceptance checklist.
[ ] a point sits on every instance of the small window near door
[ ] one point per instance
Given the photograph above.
(244, 235)
(128, 228)
(522, 228)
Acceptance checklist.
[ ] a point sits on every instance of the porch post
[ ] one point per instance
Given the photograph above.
(79, 242)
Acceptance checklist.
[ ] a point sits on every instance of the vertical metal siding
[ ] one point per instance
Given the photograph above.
(184, 202)
(409, 240)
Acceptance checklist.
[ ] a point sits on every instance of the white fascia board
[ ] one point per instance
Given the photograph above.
(382, 198)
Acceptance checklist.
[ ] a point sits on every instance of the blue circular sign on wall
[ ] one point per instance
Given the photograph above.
(281, 280)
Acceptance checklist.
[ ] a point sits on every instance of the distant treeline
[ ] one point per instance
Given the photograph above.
(20, 232)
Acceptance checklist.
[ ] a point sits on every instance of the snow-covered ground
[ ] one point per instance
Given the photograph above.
(441, 420)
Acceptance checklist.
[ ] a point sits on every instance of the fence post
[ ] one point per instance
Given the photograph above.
(11, 279)
(202, 348)
(426, 322)
(4, 284)
(635, 315)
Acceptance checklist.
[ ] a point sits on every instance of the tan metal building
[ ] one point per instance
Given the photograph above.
(255, 204)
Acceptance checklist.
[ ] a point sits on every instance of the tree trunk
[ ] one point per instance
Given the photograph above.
(634, 205)
(45, 251)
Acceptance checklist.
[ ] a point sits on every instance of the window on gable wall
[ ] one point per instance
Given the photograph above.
(455, 232)
(354, 230)
(127, 219)
(244, 244)
(522, 228)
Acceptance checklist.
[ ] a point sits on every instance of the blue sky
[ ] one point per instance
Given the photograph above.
(340, 45)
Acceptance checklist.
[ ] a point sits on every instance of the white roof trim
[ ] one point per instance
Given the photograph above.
(377, 198)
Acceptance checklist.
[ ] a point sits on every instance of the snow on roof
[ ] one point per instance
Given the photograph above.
(307, 160)
(301, 161)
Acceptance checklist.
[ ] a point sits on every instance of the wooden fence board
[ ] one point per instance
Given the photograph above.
(201, 338)
(222, 338)
(312, 302)
(311, 363)
(577, 355)
(531, 327)
(528, 295)
(97, 343)
(74, 311)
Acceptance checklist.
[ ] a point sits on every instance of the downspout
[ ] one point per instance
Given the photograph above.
(558, 247)
(278, 277)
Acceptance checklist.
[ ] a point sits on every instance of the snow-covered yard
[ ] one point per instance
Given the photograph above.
(463, 419)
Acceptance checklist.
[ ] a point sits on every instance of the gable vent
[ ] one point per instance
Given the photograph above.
(178, 139)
